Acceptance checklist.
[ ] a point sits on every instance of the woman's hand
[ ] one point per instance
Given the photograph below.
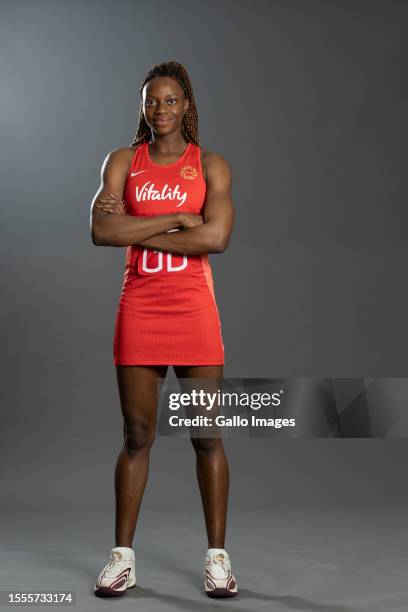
(111, 204)
(190, 220)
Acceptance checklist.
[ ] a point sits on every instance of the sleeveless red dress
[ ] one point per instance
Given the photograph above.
(167, 313)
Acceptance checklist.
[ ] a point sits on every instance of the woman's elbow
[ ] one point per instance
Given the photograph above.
(99, 239)
(100, 233)
(221, 243)
(96, 237)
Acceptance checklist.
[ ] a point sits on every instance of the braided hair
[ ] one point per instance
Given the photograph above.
(189, 125)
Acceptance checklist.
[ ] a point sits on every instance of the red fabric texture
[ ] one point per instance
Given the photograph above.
(167, 312)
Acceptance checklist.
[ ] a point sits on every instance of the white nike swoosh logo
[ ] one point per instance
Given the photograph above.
(134, 173)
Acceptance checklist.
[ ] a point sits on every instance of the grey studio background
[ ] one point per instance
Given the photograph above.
(307, 101)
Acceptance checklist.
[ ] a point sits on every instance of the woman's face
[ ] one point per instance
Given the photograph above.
(164, 104)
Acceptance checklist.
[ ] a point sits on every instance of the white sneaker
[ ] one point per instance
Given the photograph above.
(118, 575)
(218, 579)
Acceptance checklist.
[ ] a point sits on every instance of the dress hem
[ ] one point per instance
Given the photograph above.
(182, 363)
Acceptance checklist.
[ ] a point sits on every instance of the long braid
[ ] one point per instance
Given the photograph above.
(189, 125)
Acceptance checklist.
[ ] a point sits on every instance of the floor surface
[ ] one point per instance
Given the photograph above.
(347, 560)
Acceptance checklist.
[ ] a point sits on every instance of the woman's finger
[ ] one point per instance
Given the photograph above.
(107, 208)
(107, 200)
(111, 206)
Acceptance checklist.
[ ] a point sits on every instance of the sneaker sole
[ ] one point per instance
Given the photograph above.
(108, 592)
(221, 593)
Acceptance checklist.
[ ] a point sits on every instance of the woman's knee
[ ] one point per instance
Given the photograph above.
(139, 436)
(202, 445)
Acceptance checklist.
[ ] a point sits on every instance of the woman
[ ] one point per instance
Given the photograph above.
(176, 208)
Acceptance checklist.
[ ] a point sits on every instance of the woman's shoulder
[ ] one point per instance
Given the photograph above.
(129, 150)
(123, 152)
(210, 158)
(123, 156)
(210, 154)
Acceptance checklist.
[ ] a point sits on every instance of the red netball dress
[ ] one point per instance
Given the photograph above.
(167, 313)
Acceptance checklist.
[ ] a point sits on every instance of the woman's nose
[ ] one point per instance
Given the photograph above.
(162, 105)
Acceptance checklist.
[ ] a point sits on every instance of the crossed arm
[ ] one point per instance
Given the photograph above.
(196, 235)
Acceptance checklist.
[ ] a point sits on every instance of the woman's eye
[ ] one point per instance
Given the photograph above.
(172, 102)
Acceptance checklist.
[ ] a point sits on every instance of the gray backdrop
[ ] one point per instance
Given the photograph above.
(307, 100)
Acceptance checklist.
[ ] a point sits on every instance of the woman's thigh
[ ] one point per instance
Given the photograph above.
(199, 371)
(138, 394)
(207, 437)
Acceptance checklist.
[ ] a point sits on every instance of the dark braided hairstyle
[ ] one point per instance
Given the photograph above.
(189, 125)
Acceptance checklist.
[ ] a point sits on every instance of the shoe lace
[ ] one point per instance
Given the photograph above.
(114, 564)
(220, 566)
